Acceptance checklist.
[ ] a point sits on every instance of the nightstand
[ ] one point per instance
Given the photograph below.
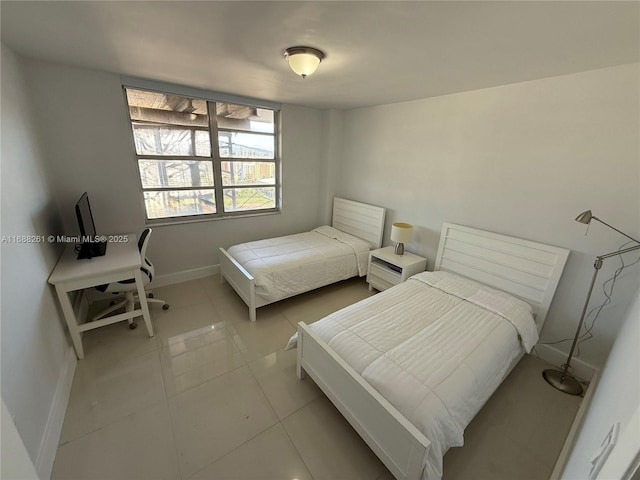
(387, 269)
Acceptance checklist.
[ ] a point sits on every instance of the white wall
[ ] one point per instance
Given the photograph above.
(522, 159)
(33, 344)
(331, 162)
(616, 399)
(15, 463)
(83, 119)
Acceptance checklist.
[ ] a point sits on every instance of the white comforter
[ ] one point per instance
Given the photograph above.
(293, 264)
(436, 347)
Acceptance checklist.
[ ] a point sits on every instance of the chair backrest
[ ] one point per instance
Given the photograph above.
(147, 266)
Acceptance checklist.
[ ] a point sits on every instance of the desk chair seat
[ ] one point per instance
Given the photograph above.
(128, 287)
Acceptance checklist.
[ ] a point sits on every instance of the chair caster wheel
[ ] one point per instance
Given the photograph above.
(165, 307)
(133, 326)
(150, 295)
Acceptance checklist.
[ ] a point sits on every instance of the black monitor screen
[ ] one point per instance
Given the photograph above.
(85, 219)
(90, 245)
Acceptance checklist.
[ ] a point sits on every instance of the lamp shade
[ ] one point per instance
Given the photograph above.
(585, 217)
(401, 232)
(303, 60)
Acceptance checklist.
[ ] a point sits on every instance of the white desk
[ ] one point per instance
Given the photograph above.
(121, 261)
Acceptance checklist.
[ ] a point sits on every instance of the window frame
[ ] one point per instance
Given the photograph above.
(211, 99)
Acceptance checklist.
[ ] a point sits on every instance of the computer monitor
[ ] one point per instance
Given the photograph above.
(89, 247)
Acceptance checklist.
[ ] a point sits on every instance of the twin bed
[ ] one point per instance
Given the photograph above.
(267, 271)
(410, 367)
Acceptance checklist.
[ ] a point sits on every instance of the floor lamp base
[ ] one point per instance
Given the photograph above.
(563, 382)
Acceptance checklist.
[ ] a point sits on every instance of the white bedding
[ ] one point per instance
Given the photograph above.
(293, 264)
(436, 347)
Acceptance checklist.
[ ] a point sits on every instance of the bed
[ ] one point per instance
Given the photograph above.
(411, 366)
(266, 271)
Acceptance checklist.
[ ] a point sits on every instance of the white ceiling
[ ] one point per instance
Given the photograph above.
(376, 52)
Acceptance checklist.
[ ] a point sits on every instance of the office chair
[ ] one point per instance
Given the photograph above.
(128, 287)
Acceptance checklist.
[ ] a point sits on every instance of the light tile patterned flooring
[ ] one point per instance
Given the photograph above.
(214, 396)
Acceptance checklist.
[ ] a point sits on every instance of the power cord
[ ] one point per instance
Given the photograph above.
(587, 335)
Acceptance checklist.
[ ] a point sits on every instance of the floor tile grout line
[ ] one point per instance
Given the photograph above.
(171, 422)
(254, 436)
(173, 433)
(173, 430)
(286, 432)
(294, 444)
(233, 449)
(139, 409)
(238, 446)
(264, 394)
(207, 381)
(280, 421)
(276, 413)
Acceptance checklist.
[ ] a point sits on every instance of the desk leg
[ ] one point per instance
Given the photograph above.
(143, 302)
(72, 321)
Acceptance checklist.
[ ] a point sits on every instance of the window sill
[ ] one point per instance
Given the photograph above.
(181, 221)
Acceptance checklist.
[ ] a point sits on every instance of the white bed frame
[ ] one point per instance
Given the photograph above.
(358, 219)
(523, 268)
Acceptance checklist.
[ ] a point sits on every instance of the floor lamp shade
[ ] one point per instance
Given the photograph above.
(401, 233)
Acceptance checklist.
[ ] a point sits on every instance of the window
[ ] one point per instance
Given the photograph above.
(200, 158)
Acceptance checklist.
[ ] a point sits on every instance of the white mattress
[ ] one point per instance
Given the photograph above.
(286, 266)
(436, 347)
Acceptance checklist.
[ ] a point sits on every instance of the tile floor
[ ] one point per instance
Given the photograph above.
(214, 396)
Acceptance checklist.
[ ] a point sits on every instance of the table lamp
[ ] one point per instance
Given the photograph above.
(401, 233)
(562, 379)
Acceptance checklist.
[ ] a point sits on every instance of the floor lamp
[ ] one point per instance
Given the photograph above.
(562, 379)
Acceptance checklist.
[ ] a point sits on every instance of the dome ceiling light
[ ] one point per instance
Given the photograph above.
(303, 60)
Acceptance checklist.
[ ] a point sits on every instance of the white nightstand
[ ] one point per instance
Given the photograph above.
(387, 269)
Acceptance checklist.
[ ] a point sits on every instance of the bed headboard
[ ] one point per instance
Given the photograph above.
(359, 219)
(528, 270)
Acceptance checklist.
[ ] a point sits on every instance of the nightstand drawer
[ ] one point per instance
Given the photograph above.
(384, 274)
(379, 284)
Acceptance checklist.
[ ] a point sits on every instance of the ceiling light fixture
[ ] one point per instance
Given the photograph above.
(303, 60)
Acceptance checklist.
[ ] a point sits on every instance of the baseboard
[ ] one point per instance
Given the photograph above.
(184, 276)
(581, 369)
(51, 437)
(574, 431)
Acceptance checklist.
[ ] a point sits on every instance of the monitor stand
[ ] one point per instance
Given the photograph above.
(92, 249)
